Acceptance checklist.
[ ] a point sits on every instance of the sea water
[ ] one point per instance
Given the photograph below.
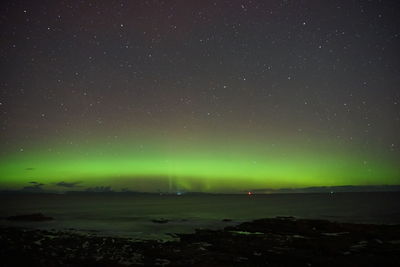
(132, 215)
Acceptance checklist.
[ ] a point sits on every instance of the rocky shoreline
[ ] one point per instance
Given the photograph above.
(281, 241)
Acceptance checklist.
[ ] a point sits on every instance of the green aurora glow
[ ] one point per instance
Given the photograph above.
(194, 166)
(210, 96)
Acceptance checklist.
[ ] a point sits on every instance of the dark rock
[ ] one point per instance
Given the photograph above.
(264, 242)
(226, 220)
(160, 220)
(34, 217)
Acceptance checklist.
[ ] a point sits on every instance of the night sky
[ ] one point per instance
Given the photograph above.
(210, 96)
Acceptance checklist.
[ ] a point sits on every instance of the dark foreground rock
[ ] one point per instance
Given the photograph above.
(35, 217)
(284, 241)
(160, 220)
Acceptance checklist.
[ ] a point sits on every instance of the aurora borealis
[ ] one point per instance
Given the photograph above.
(205, 96)
(198, 167)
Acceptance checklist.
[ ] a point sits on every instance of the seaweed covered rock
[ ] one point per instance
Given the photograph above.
(266, 242)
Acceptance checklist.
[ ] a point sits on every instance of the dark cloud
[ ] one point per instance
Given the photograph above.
(36, 183)
(35, 186)
(98, 189)
(68, 185)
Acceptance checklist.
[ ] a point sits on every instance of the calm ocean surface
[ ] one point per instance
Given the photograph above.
(131, 215)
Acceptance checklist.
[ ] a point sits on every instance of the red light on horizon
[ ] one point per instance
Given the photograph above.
(249, 193)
